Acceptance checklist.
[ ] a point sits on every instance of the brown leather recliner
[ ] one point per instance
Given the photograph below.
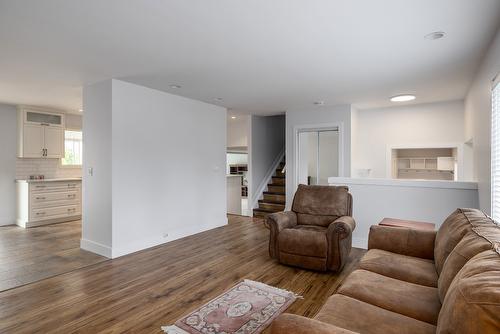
(317, 233)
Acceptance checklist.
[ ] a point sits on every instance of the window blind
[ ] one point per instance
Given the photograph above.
(495, 153)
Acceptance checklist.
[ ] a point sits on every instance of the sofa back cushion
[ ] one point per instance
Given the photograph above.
(321, 205)
(472, 303)
(470, 245)
(454, 228)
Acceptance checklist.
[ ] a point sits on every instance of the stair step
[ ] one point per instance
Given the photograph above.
(274, 198)
(278, 180)
(276, 188)
(260, 214)
(271, 206)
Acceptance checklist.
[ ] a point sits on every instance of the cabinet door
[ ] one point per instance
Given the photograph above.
(33, 141)
(54, 142)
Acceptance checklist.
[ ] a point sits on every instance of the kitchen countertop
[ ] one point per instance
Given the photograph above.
(50, 180)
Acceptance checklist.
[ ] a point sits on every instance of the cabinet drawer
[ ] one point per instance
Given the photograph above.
(55, 212)
(55, 198)
(54, 186)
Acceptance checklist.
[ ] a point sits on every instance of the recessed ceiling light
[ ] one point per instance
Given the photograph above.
(80, 110)
(435, 35)
(175, 86)
(403, 98)
(233, 117)
(218, 99)
(319, 103)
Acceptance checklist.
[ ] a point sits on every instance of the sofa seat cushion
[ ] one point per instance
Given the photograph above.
(412, 300)
(357, 316)
(406, 268)
(304, 240)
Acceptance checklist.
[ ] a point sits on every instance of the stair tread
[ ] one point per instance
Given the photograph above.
(274, 193)
(266, 210)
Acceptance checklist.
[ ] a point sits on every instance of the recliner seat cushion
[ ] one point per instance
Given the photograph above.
(406, 268)
(361, 317)
(412, 300)
(304, 240)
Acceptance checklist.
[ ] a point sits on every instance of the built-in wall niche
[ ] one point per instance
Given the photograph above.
(425, 163)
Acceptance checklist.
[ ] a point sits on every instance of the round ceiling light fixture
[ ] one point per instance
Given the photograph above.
(403, 98)
(435, 35)
(80, 110)
(233, 117)
(175, 86)
(319, 103)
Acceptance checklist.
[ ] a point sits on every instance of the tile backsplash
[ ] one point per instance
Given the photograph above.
(50, 168)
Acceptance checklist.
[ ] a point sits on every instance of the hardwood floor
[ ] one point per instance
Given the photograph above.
(140, 292)
(29, 255)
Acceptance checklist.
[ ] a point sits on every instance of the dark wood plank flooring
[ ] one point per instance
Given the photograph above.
(140, 292)
(29, 255)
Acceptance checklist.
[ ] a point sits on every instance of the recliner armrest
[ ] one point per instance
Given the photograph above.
(343, 226)
(277, 222)
(281, 220)
(402, 240)
(295, 324)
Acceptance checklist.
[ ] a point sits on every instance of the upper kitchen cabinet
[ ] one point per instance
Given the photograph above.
(40, 134)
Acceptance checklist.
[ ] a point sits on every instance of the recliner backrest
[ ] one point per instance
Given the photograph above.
(321, 205)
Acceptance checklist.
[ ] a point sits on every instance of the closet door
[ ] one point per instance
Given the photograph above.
(328, 155)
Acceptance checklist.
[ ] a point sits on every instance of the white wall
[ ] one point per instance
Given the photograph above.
(267, 143)
(96, 197)
(478, 121)
(420, 124)
(237, 131)
(8, 137)
(428, 201)
(312, 117)
(167, 158)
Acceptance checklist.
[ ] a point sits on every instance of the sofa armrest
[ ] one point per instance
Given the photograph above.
(402, 240)
(339, 237)
(296, 324)
(277, 222)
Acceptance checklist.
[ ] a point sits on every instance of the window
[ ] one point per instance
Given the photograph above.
(495, 153)
(72, 148)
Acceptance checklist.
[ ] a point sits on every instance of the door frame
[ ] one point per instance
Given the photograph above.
(338, 126)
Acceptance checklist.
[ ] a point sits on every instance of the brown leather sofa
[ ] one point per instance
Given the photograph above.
(317, 233)
(413, 281)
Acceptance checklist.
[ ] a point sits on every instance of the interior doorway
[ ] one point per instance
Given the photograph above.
(318, 155)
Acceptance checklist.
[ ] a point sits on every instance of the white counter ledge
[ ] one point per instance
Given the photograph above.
(50, 180)
(422, 200)
(404, 183)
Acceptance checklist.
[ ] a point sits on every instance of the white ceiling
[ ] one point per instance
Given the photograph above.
(261, 56)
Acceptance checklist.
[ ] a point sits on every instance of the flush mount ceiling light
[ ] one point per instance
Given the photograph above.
(435, 35)
(80, 110)
(319, 103)
(233, 117)
(403, 98)
(175, 86)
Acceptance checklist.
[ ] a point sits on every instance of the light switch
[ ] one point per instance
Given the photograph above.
(91, 171)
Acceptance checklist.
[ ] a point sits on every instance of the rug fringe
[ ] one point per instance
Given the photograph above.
(275, 288)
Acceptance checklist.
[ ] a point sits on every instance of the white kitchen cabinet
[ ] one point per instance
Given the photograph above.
(40, 134)
(42, 202)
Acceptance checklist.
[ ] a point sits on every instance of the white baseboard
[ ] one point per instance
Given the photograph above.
(360, 243)
(95, 247)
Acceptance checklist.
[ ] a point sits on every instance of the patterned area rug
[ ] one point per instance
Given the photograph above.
(247, 308)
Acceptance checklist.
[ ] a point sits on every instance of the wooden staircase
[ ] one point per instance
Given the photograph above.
(274, 197)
